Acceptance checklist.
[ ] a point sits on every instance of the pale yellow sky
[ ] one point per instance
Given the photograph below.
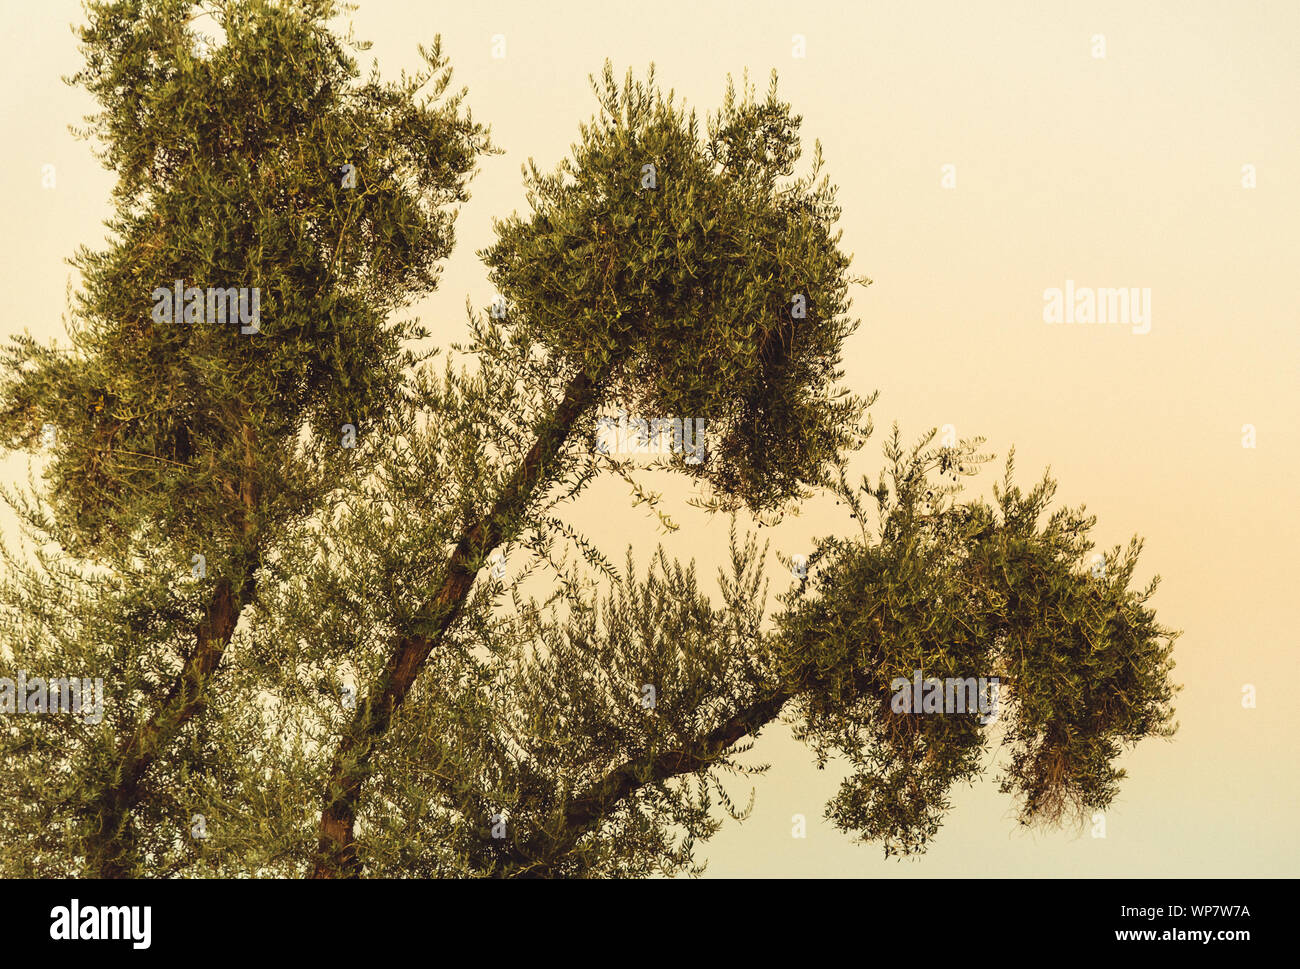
(1116, 171)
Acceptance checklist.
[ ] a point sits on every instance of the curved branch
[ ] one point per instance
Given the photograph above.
(585, 811)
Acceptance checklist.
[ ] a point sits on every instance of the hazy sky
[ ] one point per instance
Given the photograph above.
(1117, 171)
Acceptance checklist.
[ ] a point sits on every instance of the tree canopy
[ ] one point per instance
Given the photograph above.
(279, 549)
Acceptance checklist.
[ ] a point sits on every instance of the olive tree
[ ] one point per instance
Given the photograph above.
(334, 588)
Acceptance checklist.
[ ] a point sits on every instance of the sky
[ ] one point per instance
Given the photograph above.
(986, 153)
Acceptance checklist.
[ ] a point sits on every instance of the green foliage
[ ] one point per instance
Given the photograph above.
(681, 295)
(229, 176)
(352, 687)
(189, 437)
(967, 590)
(561, 703)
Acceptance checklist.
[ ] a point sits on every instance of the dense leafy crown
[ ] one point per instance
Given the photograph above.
(229, 159)
(355, 686)
(690, 270)
(963, 590)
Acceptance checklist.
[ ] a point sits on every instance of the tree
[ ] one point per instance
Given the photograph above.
(353, 683)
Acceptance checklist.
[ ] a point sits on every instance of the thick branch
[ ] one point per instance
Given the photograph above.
(109, 845)
(109, 848)
(586, 810)
(336, 849)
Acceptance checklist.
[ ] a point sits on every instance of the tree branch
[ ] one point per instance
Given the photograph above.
(336, 849)
(109, 843)
(108, 847)
(585, 811)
